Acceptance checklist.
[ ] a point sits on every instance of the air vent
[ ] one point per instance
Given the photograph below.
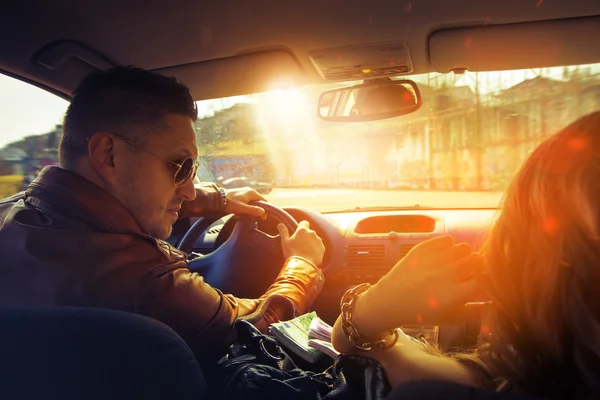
(362, 256)
(214, 231)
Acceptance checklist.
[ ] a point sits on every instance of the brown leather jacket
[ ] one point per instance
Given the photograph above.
(67, 242)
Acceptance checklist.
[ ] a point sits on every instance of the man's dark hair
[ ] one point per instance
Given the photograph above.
(125, 100)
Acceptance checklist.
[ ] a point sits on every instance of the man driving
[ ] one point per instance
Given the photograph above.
(92, 231)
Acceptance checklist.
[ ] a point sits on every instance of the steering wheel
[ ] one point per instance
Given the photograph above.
(248, 261)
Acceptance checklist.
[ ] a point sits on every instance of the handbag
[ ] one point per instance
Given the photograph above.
(257, 367)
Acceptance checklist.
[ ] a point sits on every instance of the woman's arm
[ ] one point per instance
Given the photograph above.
(431, 285)
(407, 361)
(403, 365)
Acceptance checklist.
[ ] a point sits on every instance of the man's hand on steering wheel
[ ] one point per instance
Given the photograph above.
(248, 251)
(238, 199)
(304, 243)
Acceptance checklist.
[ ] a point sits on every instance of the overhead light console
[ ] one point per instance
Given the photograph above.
(366, 61)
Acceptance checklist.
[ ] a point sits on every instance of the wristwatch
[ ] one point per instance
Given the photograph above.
(223, 193)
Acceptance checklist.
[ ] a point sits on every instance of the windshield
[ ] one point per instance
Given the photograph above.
(460, 150)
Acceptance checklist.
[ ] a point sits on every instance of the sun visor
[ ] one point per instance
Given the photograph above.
(239, 75)
(516, 46)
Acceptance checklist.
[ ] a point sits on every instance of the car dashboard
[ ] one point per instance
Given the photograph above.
(363, 245)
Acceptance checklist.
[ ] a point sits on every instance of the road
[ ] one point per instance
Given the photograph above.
(338, 199)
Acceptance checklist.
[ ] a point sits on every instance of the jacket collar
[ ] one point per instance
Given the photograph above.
(75, 196)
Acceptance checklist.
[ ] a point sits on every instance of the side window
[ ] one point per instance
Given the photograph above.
(30, 130)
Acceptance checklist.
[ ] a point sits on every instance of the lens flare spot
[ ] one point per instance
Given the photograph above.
(539, 3)
(433, 302)
(577, 143)
(468, 42)
(485, 329)
(419, 319)
(550, 225)
(408, 7)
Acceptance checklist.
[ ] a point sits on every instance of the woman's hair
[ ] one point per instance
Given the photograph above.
(543, 270)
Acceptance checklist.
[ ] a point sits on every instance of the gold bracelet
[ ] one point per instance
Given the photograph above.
(349, 328)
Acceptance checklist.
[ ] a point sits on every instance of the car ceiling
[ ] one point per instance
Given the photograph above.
(197, 40)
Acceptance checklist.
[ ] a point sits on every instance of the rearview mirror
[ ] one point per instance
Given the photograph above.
(370, 101)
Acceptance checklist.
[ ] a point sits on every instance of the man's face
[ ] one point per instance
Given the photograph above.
(146, 182)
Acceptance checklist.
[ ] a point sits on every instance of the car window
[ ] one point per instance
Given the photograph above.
(30, 128)
(459, 150)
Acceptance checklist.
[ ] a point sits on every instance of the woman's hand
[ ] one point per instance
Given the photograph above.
(429, 286)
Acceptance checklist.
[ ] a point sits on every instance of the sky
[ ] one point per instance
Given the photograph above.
(27, 110)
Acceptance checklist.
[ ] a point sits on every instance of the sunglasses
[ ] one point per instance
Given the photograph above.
(185, 171)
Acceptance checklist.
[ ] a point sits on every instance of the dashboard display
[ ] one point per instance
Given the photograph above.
(396, 223)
